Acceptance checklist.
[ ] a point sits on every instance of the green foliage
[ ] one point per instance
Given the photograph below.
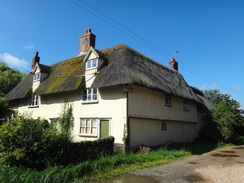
(22, 141)
(105, 166)
(66, 121)
(4, 108)
(9, 78)
(226, 114)
(32, 143)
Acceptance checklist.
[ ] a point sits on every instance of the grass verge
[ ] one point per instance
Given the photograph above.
(102, 168)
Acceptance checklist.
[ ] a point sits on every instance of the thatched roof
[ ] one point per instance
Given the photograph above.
(67, 75)
(206, 103)
(22, 90)
(124, 66)
(45, 68)
(127, 66)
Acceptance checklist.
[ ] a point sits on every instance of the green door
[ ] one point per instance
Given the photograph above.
(104, 129)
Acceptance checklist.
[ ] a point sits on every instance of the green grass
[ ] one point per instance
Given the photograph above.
(102, 168)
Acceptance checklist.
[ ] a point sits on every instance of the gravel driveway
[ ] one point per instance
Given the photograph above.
(225, 166)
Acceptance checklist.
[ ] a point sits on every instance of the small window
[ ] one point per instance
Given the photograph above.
(90, 95)
(164, 126)
(168, 100)
(37, 77)
(185, 105)
(88, 127)
(90, 64)
(34, 101)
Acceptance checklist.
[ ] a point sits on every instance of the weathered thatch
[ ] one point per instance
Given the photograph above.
(65, 76)
(206, 104)
(127, 66)
(45, 68)
(123, 66)
(22, 90)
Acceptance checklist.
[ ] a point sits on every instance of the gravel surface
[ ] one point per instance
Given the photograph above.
(225, 166)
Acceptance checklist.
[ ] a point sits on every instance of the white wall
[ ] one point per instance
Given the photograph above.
(111, 105)
(146, 103)
(149, 133)
(147, 111)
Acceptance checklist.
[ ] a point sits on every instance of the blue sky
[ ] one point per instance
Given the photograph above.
(207, 33)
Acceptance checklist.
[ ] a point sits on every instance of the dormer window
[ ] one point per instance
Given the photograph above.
(90, 64)
(37, 76)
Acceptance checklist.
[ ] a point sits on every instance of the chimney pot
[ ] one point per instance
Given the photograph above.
(173, 64)
(87, 31)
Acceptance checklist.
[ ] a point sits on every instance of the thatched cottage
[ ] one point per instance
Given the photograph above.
(114, 92)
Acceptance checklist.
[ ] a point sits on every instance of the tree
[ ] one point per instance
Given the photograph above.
(227, 114)
(9, 78)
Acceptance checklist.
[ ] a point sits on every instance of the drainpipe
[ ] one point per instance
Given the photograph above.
(127, 90)
(127, 141)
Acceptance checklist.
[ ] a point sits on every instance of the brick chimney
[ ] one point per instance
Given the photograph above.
(87, 40)
(35, 60)
(173, 64)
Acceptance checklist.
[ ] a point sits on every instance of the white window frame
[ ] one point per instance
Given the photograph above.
(91, 64)
(90, 95)
(37, 76)
(34, 101)
(168, 100)
(88, 127)
(164, 126)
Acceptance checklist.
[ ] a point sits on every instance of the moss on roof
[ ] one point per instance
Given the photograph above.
(67, 75)
(124, 65)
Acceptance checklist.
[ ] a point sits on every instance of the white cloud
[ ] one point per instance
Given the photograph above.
(210, 87)
(29, 46)
(13, 61)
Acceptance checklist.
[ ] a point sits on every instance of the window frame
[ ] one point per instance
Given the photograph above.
(164, 126)
(185, 105)
(34, 101)
(90, 62)
(168, 100)
(90, 127)
(90, 93)
(37, 76)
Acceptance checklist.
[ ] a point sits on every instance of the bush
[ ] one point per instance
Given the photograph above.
(31, 143)
(22, 141)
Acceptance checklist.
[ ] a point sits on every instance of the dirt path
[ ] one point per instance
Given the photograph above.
(221, 166)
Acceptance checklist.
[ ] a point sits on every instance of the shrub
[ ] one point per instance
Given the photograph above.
(22, 141)
(31, 143)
